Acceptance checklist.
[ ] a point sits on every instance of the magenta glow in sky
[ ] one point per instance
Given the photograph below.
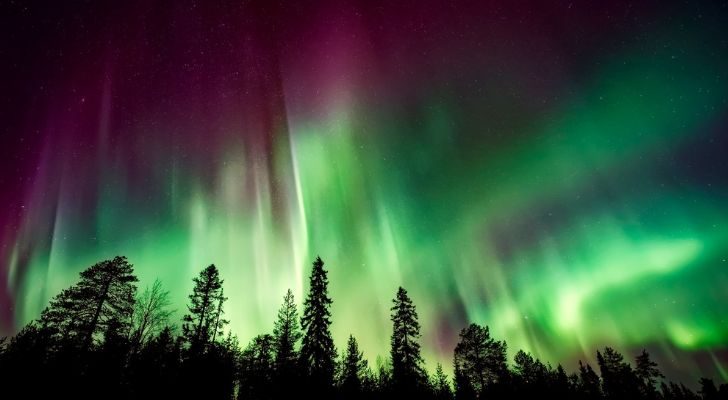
(553, 171)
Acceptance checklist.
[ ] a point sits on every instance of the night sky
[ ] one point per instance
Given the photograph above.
(557, 172)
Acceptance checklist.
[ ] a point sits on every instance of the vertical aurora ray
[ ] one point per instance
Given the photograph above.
(569, 194)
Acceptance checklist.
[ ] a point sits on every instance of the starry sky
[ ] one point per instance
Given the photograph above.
(557, 172)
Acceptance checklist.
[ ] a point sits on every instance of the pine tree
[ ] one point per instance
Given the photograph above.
(532, 374)
(648, 373)
(479, 361)
(407, 370)
(219, 323)
(257, 366)
(353, 370)
(222, 367)
(286, 333)
(383, 374)
(317, 348)
(106, 369)
(440, 385)
(104, 295)
(618, 379)
(26, 355)
(204, 320)
(153, 370)
(531, 371)
(589, 382)
(560, 386)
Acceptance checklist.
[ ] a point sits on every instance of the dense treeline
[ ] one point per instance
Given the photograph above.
(101, 339)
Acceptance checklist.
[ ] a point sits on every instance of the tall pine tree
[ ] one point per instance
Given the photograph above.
(408, 374)
(286, 334)
(204, 322)
(317, 348)
(103, 296)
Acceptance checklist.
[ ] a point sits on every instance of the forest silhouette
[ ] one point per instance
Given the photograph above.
(101, 338)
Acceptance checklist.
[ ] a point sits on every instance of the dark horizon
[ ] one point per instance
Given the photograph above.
(101, 337)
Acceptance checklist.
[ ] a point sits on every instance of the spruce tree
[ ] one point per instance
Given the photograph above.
(317, 348)
(353, 369)
(82, 313)
(440, 385)
(408, 374)
(204, 321)
(286, 333)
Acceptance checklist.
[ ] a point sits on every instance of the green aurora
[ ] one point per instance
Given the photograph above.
(564, 229)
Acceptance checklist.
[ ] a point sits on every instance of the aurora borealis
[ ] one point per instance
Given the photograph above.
(557, 172)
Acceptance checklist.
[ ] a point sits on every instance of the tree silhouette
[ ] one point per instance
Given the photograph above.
(441, 385)
(107, 365)
(151, 314)
(618, 379)
(104, 294)
(317, 349)
(408, 375)
(559, 386)
(383, 374)
(675, 391)
(203, 322)
(222, 366)
(257, 368)
(708, 391)
(286, 334)
(353, 370)
(28, 354)
(208, 369)
(154, 370)
(219, 322)
(93, 341)
(479, 361)
(532, 376)
(589, 383)
(648, 374)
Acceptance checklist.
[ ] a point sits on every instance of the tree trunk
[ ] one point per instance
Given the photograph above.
(203, 314)
(97, 314)
(217, 318)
